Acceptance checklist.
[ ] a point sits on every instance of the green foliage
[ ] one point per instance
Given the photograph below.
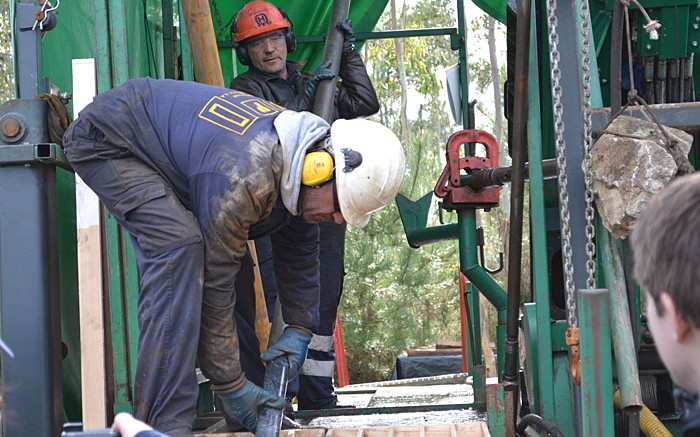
(7, 87)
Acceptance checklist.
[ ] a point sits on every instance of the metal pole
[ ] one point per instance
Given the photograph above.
(325, 91)
(623, 340)
(270, 419)
(200, 31)
(520, 117)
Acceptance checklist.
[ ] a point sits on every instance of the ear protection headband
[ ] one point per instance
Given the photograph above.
(318, 168)
(242, 50)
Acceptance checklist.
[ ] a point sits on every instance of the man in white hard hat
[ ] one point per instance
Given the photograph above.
(192, 172)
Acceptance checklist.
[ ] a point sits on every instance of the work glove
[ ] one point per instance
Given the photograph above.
(293, 343)
(241, 406)
(346, 28)
(323, 72)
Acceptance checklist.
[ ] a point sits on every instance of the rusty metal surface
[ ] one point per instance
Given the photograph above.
(684, 116)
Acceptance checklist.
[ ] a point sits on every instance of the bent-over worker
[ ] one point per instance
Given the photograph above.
(192, 171)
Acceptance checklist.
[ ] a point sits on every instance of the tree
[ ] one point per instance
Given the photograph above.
(7, 87)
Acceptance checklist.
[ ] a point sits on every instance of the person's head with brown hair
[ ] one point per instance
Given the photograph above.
(666, 244)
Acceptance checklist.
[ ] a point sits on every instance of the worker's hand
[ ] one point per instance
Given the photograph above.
(346, 27)
(323, 72)
(293, 343)
(242, 405)
(127, 426)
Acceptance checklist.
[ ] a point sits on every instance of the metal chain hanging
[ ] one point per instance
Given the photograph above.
(587, 146)
(560, 144)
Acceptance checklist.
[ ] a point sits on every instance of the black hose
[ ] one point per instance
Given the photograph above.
(616, 38)
(539, 422)
(325, 91)
(522, 55)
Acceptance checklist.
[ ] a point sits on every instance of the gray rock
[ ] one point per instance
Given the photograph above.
(631, 162)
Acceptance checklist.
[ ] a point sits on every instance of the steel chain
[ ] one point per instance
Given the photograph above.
(560, 143)
(587, 146)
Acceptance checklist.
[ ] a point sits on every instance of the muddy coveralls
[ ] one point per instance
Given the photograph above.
(188, 169)
(355, 97)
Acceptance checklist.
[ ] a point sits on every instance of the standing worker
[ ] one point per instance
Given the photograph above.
(192, 171)
(264, 36)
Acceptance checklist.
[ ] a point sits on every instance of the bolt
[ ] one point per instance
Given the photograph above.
(11, 127)
(696, 26)
(648, 46)
(39, 15)
(694, 43)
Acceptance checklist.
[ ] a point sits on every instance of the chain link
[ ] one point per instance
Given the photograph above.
(560, 144)
(587, 146)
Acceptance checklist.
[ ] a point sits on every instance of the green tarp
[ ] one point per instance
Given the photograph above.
(76, 37)
(495, 8)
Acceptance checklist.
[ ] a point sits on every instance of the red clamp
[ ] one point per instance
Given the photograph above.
(449, 185)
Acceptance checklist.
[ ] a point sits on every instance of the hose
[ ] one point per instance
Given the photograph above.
(649, 424)
(539, 422)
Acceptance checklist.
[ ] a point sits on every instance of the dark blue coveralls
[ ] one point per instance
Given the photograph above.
(188, 169)
(355, 97)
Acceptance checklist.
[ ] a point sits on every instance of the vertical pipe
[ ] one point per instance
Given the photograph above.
(469, 263)
(522, 57)
(325, 91)
(623, 340)
(200, 31)
(596, 363)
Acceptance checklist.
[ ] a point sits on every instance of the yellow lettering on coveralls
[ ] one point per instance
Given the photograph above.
(239, 115)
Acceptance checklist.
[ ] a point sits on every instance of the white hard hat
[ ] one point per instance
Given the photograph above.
(369, 167)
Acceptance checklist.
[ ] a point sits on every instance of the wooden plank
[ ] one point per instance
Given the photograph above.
(90, 298)
(472, 429)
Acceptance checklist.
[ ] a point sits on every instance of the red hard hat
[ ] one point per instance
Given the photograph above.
(258, 17)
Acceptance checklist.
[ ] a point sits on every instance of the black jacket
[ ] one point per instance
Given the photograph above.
(355, 96)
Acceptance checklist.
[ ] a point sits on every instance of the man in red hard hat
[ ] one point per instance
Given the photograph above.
(264, 35)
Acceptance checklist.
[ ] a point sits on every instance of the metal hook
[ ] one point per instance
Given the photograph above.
(481, 242)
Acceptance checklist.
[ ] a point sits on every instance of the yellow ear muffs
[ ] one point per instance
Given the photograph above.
(318, 168)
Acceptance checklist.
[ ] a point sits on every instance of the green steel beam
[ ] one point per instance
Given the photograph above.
(132, 287)
(70, 320)
(186, 53)
(168, 39)
(119, 48)
(118, 322)
(544, 394)
(564, 400)
(596, 363)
